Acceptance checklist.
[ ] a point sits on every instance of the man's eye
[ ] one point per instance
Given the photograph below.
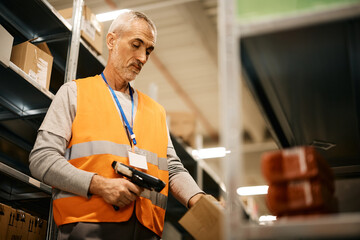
(136, 45)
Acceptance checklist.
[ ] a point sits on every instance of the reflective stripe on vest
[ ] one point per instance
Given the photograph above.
(156, 198)
(86, 149)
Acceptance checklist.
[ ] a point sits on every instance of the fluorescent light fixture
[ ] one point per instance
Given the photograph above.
(108, 16)
(267, 218)
(253, 190)
(210, 153)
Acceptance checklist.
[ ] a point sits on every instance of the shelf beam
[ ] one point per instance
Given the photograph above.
(24, 178)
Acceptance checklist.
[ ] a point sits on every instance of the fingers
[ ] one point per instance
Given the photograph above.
(126, 199)
(135, 189)
(121, 192)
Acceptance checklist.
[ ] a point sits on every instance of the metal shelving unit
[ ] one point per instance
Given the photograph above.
(25, 179)
(337, 226)
(261, 52)
(24, 103)
(50, 27)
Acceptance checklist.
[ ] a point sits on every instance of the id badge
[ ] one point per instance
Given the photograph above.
(137, 160)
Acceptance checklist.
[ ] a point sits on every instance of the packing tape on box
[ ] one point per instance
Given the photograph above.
(300, 153)
(305, 185)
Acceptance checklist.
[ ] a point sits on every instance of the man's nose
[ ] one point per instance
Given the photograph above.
(142, 57)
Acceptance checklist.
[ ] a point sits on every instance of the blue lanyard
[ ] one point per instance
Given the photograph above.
(132, 135)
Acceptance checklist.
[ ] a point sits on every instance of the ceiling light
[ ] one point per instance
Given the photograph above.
(253, 190)
(108, 16)
(209, 153)
(267, 218)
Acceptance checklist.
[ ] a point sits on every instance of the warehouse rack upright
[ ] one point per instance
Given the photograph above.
(303, 71)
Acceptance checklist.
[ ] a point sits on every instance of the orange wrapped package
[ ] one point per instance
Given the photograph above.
(300, 182)
(300, 197)
(294, 163)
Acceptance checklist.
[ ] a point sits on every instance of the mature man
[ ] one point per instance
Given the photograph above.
(94, 121)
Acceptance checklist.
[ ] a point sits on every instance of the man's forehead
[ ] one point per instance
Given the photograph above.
(141, 31)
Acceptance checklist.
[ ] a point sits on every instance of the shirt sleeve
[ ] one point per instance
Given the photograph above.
(47, 161)
(61, 113)
(182, 186)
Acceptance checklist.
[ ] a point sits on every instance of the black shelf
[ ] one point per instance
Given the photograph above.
(23, 192)
(307, 81)
(31, 19)
(24, 103)
(89, 63)
(23, 106)
(21, 94)
(38, 21)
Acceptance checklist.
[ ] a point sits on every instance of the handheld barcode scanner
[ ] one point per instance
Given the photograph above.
(137, 177)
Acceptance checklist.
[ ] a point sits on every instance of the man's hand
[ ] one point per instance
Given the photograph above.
(115, 191)
(194, 199)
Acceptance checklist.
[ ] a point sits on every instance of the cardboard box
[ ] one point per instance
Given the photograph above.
(6, 42)
(91, 29)
(5, 212)
(19, 225)
(12, 224)
(36, 228)
(36, 61)
(32, 229)
(183, 125)
(204, 220)
(42, 228)
(19, 222)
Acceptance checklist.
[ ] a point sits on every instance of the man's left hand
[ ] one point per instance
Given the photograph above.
(194, 199)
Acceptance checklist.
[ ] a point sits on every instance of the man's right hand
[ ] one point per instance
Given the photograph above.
(115, 191)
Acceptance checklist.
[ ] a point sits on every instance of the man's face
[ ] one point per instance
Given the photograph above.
(131, 49)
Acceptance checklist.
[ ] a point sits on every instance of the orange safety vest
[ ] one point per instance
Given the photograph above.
(98, 139)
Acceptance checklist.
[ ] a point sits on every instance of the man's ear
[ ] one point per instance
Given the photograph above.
(110, 40)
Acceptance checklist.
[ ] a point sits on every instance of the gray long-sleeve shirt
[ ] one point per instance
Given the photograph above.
(48, 164)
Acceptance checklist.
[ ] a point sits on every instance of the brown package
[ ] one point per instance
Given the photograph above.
(203, 220)
(293, 164)
(35, 61)
(301, 197)
(5, 212)
(18, 226)
(91, 29)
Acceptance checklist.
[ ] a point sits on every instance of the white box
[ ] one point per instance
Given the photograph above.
(6, 42)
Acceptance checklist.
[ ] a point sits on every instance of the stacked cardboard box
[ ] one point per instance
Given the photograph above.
(36, 61)
(300, 182)
(17, 224)
(5, 212)
(91, 29)
(37, 229)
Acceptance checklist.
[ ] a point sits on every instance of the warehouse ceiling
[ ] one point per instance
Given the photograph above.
(182, 73)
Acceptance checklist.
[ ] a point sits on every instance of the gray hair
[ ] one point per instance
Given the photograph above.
(125, 16)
